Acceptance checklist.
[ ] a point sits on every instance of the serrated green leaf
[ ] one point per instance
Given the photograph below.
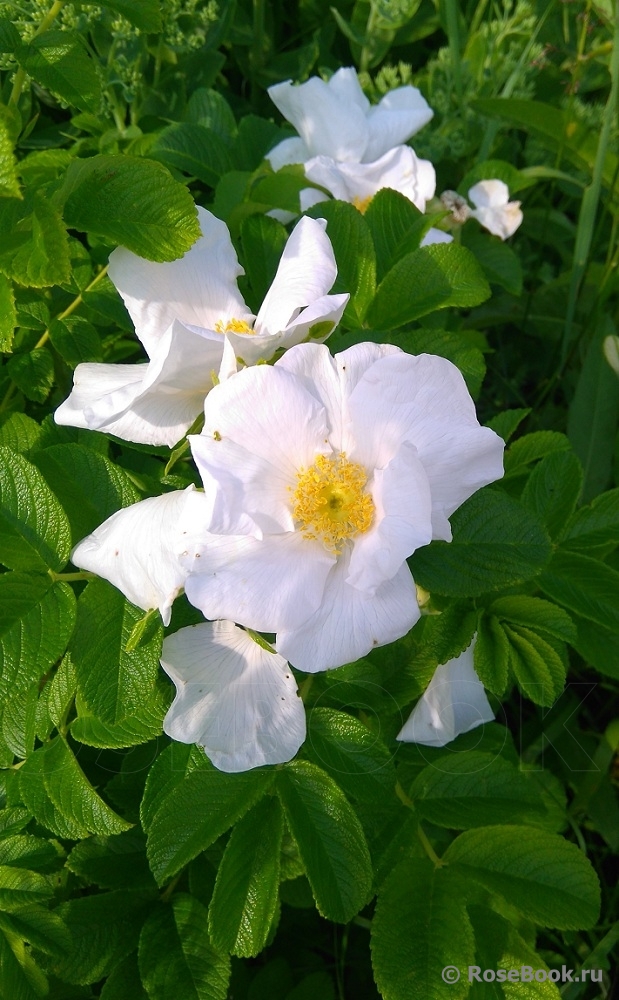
(26, 851)
(354, 253)
(594, 414)
(40, 927)
(133, 202)
(9, 184)
(196, 811)
(44, 259)
(8, 315)
(90, 487)
(125, 982)
(447, 635)
(474, 789)
(117, 862)
(175, 949)
(53, 776)
(76, 340)
(280, 190)
(12, 820)
(532, 447)
(194, 149)
(535, 613)
(245, 898)
(353, 755)
(144, 14)
(330, 839)
(425, 280)
(166, 773)
(498, 261)
(421, 926)
(263, 240)
(545, 877)
(586, 586)
(9, 36)
(553, 489)
(499, 946)
(36, 621)
(18, 431)
(506, 424)
(491, 654)
(496, 542)
(113, 683)
(18, 715)
(60, 61)
(595, 526)
(21, 980)
(20, 887)
(145, 724)
(390, 217)
(210, 109)
(32, 373)
(104, 929)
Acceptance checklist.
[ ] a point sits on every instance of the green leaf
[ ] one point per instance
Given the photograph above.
(89, 486)
(113, 683)
(104, 929)
(144, 14)
(354, 253)
(595, 526)
(532, 447)
(391, 217)
(475, 789)
(193, 814)
(499, 946)
(535, 613)
(26, 851)
(60, 62)
(245, 898)
(537, 666)
(135, 203)
(40, 927)
(421, 926)
(8, 315)
(498, 261)
(20, 980)
(45, 258)
(19, 887)
(210, 109)
(553, 489)
(330, 839)
(194, 149)
(125, 982)
(143, 725)
(175, 952)
(427, 279)
(354, 757)
(33, 373)
(263, 240)
(446, 344)
(76, 340)
(449, 633)
(18, 431)
(506, 423)
(36, 621)
(543, 876)
(593, 415)
(496, 543)
(52, 775)
(34, 531)
(598, 646)
(18, 716)
(281, 189)
(116, 862)
(583, 585)
(9, 36)
(9, 184)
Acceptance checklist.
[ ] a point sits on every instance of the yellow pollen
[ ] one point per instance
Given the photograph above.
(330, 503)
(233, 326)
(362, 204)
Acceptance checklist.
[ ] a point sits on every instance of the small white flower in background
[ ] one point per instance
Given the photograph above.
(336, 120)
(184, 312)
(234, 698)
(493, 209)
(323, 475)
(453, 703)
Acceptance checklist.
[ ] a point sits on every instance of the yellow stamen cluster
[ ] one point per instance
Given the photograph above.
(330, 503)
(233, 326)
(362, 204)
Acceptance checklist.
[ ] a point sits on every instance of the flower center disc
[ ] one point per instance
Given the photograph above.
(330, 502)
(233, 326)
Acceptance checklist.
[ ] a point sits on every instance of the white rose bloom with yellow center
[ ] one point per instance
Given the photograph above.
(185, 312)
(322, 475)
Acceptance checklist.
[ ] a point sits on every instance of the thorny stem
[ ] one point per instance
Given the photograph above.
(20, 76)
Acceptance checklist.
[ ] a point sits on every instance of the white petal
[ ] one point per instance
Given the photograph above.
(489, 194)
(92, 383)
(265, 585)
(199, 289)
(142, 550)
(396, 117)
(503, 221)
(423, 399)
(306, 272)
(308, 197)
(435, 236)
(272, 415)
(402, 522)
(327, 124)
(287, 152)
(328, 172)
(160, 407)
(235, 699)
(399, 169)
(344, 84)
(454, 702)
(332, 379)
(349, 623)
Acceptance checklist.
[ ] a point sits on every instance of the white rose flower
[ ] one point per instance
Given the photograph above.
(322, 476)
(335, 119)
(184, 312)
(493, 209)
(453, 703)
(234, 698)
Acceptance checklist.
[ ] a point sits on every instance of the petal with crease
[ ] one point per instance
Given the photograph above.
(349, 623)
(234, 698)
(121, 550)
(327, 124)
(453, 703)
(395, 118)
